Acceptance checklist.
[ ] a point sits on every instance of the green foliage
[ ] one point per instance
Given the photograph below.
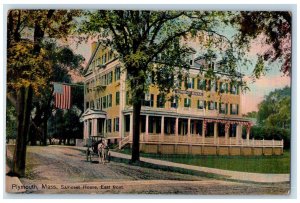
(252, 114)
(64, 124)
(11, 121)
(269, 133)
(249, 164)
(275, 109)
(275, 26)
(259, 68)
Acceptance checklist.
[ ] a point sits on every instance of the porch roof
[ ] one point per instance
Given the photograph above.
(92, 114)
(150, 112)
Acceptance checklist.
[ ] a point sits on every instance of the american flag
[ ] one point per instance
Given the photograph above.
(62, 95)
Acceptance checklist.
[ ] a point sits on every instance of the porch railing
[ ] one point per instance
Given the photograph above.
(200, 140)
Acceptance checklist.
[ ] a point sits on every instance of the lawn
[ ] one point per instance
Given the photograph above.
(256, 164)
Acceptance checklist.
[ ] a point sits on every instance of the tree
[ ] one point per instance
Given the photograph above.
(252, 114)
(63, 60)
(275, 109)
(276, 27)
(65, 124)
(28, 66)
(151, 41)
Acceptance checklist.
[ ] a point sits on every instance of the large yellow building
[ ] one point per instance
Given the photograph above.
(204, 119)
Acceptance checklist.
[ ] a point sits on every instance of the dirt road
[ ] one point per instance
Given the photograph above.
(60, 169)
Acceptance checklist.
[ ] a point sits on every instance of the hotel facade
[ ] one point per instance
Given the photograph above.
(204, 118)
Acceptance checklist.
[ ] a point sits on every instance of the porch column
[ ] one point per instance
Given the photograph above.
(104, 128)
(131, 127)
(176, 126)
(189, 127)
(95, 127)
(227, 132)
(215, 132)
(203, 130)
(85, 133)
(162, 128)
(248, 133)
(238, 133)
(121, 126)
(147, 128)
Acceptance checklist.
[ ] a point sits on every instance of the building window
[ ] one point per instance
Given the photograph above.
(116, 122)
(148, 100)
(234, 109)
(111, 55)
(104, 58)
(223, 87)
(212, 105)
(117, 73)
(160, 101)
(117, 98)
(174, 102)
(214, 86)
(104, 102)
(98, 103)
(234, 89)
(109, 100)
(189, 83)
(108, 125)
(223, 108)
(92, 104)
(208, 86)
(109, 78)
(201, 84)
(201, 104)
(187, 102)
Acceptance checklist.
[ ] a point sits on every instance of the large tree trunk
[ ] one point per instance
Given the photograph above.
(45, 135)
(33, 135)
(24, 100)
(135, 156)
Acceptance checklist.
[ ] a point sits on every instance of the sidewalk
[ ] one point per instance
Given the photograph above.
(232, 175)
(12, 184)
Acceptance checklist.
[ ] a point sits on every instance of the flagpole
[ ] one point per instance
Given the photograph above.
(70, 84)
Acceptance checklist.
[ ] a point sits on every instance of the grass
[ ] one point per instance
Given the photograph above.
(256, 164)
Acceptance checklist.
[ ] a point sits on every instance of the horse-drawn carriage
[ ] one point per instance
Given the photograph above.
(97, 146)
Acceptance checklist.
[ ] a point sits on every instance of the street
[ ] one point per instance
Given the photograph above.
(64, 169)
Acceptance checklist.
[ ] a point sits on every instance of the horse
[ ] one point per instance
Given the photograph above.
(101, 153)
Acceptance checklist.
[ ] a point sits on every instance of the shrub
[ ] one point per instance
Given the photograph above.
(269, 133)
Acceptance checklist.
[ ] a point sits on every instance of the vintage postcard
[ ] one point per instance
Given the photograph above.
(192, 102)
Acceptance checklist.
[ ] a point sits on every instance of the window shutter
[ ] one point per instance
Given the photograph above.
(193, 85)
(204, 105)
(226, 111)
(216, 105)
(230, 108)
(237, 109)
(226, 87)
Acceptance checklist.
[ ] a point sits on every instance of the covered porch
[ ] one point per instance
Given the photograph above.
(166, 129)
(94, 122)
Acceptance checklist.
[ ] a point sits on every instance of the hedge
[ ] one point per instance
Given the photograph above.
(269, 133)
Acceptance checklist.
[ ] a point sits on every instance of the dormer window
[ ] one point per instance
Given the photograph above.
(191, 62)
